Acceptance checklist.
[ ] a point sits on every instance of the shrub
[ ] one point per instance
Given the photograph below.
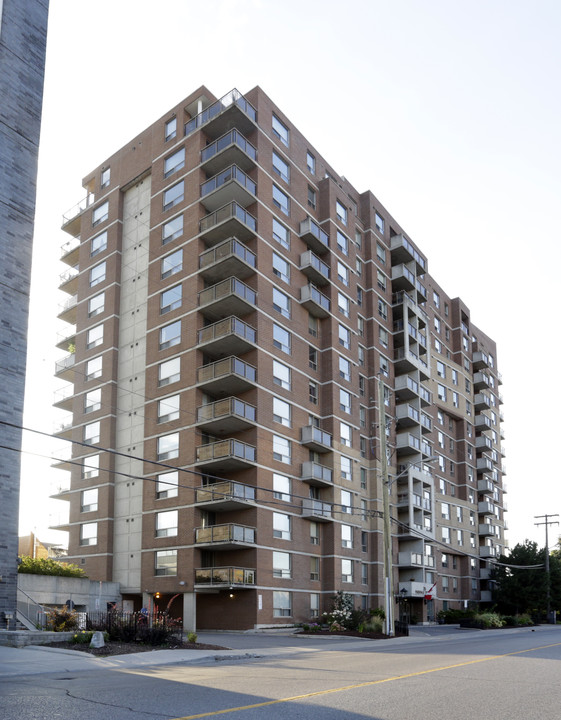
(379, 612)
(84, 637)
(374, 625)
(61, 619)
(489, 620)
(48, 566)
(192, 637)
(341, 615)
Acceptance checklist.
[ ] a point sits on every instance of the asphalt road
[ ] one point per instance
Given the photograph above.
(494, 675)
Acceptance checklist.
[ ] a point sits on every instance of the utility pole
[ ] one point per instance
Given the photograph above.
(547, 522)
(388, 582)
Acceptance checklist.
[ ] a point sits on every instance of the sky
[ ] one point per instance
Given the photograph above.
(449, 112)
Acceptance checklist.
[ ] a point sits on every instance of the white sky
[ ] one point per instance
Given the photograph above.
(450, 112)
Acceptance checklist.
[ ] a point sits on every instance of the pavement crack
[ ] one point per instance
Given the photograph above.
(115, 705)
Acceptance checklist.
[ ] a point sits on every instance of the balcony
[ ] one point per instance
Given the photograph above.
(63, 429)
(315, 269)
(72, 219)
(316, 474)
(64, 398)
(480, 381)
(407, 415)
(486, 551)
(315, 302)
(480, 360)
(229, 297)
(486, 596)
(226, 454)
(67, 310)
(483, 443)
(485, 508)
(227, 377)
(64, 368)
(415, 589)
(317, 510)
(426, 423)
(316, 238)
(410, 559)
(482, 422)
(486, 530)
(70, 251)
(403, 299)
(225, 537)
(407, 360)
(402, 251)
(402, 278)
(231, 220)
(485, 486)
(232, 184)
(225, 496)
(230, 149)
(316, 439)
(407, 444)
(484, 464)
(223, 417)
(406, 388)
(68, 280)
(229, 258)
(481, 401)
(230, 336)
(67, 339)
(224, 577)
(231, 111)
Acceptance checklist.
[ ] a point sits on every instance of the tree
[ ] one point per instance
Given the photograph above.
(517, 589)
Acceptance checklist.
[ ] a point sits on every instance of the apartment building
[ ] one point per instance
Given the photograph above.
(241, 319)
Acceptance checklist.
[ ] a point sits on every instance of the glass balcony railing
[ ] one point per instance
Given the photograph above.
(231, 173)
(234, 97)
(228, 533)
(234, 137)
(230, 211)
(226, 576)
(227, 249)
(223, 328)
(221, 491)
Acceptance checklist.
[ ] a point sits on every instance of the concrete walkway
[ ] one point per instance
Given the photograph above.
(35, 659)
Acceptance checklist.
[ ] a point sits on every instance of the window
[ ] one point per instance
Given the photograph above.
(440, 369)
(281, 303)
(172, 229)
(281, 526)
(97, 274)
(281, 200)
(346, 434)
(166, 523)
(445, 584)
(281, 487)
(344, 400)
(361, 355)
(173, 195)
(444, 560)
(314, 568)
(168, 372)
(346, 468)
(460, 537)
(172, 264)
(165, 562)
(281, 268)
(446, 535)
(383, 336)
(364, 446)
(170, 129)
(341, 212)
(459, 514)
(455, 400)
(281, 234)
(170, 335)
(312, 358)
(168, 409)
(170, 299)
(281, 564)
(359, 296)
(88, 534)
(168, 446)
(342, 243)
(92, 433)
(381, 253)
(384, 366)
(344, 337)
(105, 177)
(282, 603)
(166, 485)
(346, 570)
(454, 377)
(100, 213)
(174, 162)
(313, 325)
(379, 221)
(312, 200)
(346, 536)
(436, 299)
(445, 510)
(281, 375)
(441, 392)
(96, 305)
(314, 533)
(313, 392)
(437, 345)
(344, 368)
(358, 266)
(362, 409)
(92, 401)
(94, 368)
(281, 338)
(280, 130)
(346, 502)
(281, 412)
(343, 304)
(281, 168)
(98, 244)
(94, 337)
(88, 500)
(382, 309)
(342, 273)
(437, 325)
(90, 467)
(281, 449)
(311, 162)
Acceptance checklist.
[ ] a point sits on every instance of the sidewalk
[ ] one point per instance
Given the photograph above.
(35, 659)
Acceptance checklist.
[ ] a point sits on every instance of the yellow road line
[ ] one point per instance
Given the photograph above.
(359, 685)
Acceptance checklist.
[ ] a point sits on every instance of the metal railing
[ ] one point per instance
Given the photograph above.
(234, 97)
